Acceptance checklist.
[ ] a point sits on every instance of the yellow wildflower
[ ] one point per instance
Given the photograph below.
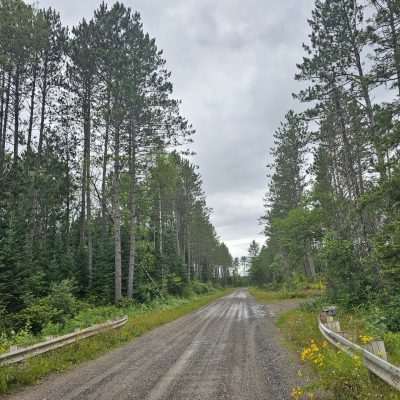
(365, 339)
(297, 392)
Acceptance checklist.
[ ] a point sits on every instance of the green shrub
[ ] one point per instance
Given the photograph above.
(200, 287)
(147, 293)
(348, 281)
(125, 302)
(61, 298)
(36, 316)
(175, 285)
(392, 344)
(188, 292)
(392, 314)
(58, 307)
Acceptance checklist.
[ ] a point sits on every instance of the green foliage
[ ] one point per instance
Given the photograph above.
(175, 285)
(392, 345)
(392, 314)
(148, 292)
(200, 287)
(36, 316)
(61, 298)
(346, 280)
(300, 291)
(58, 307)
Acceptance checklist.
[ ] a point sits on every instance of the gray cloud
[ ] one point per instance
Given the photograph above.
(233, 64)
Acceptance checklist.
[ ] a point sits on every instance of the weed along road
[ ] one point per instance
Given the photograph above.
(228, 350)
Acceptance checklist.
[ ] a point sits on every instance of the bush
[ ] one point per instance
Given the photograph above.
(392, 343)
(22, 338)
(392, 314)
(348, 281)
(36, 316)
(175, 285)
(61, 298)
(57, 308)
(5, 319)
(125, 302)
(147, 293)
(200, 287)
(188, 291)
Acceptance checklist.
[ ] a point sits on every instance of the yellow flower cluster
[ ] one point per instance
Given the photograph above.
(365, 339)
(297, 392)
(313, 353)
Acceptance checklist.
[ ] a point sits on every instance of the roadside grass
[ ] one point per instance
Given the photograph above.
(337, 375)
(268, 296)
(140, 321)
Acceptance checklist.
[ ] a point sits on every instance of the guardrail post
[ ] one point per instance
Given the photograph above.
(377, 347)
(333, 325)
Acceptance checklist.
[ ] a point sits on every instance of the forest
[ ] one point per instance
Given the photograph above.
(333, 199)
(99, 199)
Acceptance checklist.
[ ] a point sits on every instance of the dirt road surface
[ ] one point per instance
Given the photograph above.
(229, 349)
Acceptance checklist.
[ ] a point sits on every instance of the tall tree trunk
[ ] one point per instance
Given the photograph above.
(310, 261)
(104, 168)
(189, 255)
(32, 109)
(87, 135)
(360, 171)
(132, 210)
(349, 164)
(17, 81)
(68, 192)
(2, 93)
(160, 222)
(117, 219)
(177, 226)
(83, 196)
(364, 84)
(5, 121)
(43, 105)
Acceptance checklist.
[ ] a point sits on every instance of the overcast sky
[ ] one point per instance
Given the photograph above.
(233, 64)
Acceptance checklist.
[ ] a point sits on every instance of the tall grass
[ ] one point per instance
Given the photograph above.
(267, 296)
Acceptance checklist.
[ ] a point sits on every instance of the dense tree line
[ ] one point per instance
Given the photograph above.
(332, 207)
(94, 188)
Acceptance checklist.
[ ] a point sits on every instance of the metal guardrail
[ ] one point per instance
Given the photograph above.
(60, 341)
(378, 366)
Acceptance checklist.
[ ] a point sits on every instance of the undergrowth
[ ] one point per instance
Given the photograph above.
(275, 295)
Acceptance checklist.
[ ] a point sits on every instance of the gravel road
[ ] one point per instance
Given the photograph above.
(229, 349)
